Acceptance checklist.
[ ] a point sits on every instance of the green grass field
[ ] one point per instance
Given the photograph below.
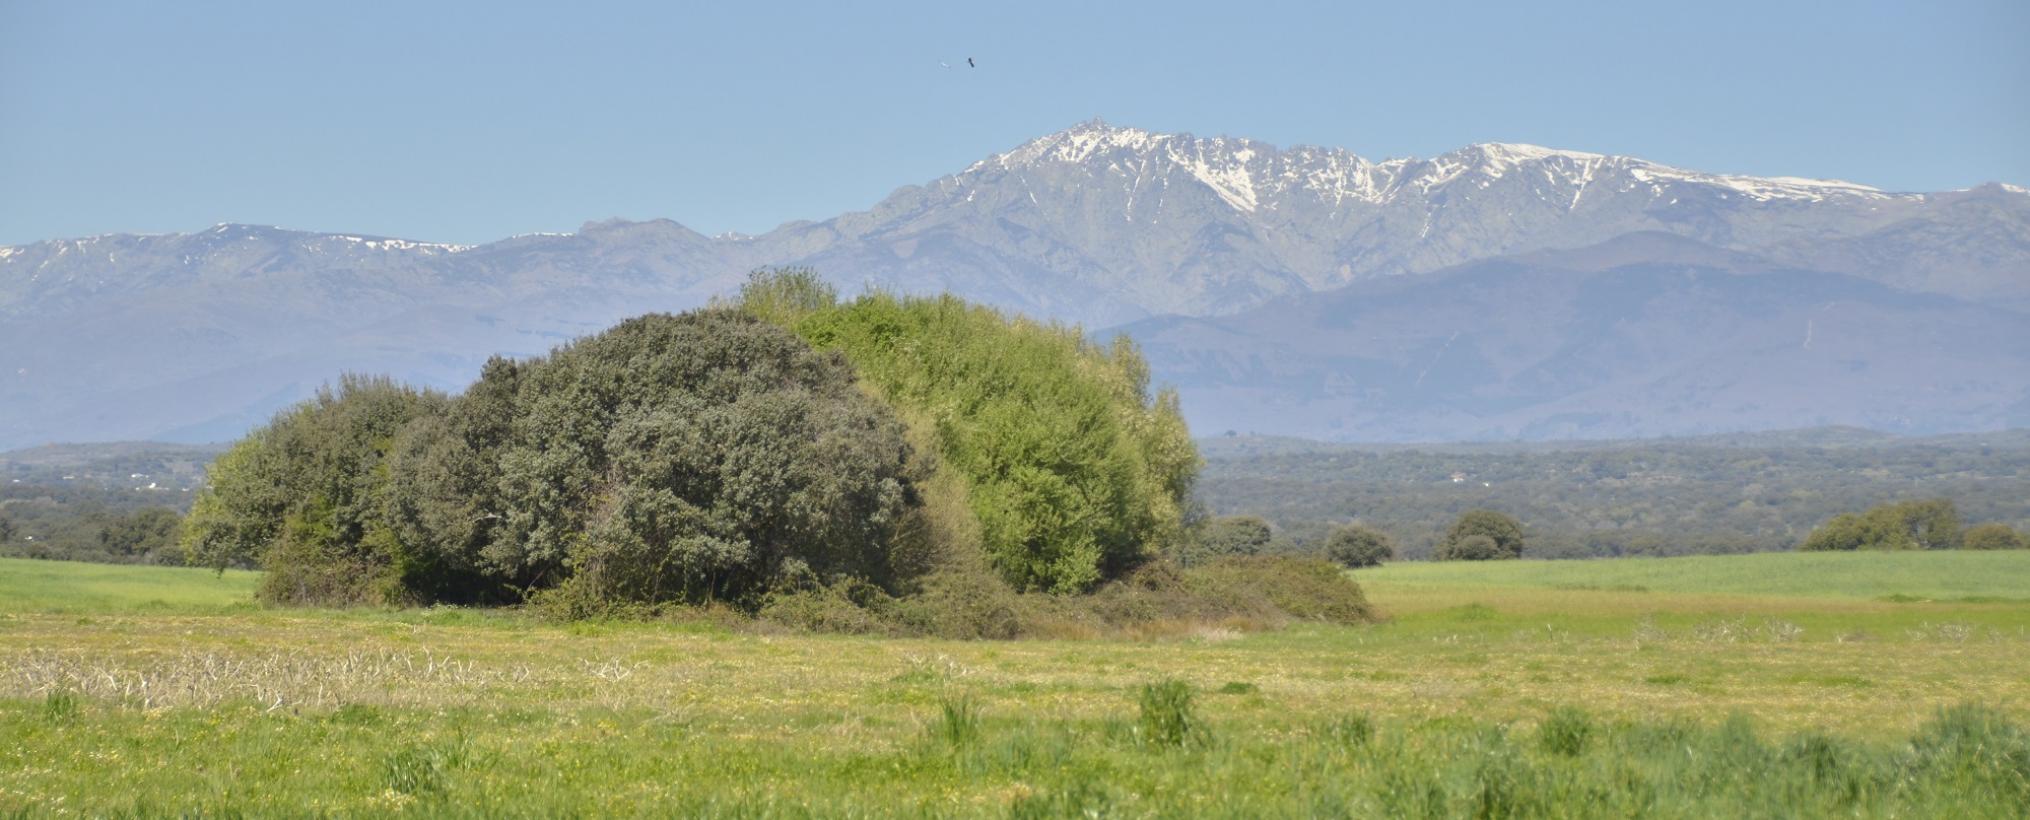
(57, 587)
(1766, 685)
(1943, 576)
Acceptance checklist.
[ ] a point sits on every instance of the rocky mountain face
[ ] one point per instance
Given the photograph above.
(196, 337)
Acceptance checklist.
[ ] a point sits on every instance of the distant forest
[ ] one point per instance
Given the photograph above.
(112, 503)
(1724, 494)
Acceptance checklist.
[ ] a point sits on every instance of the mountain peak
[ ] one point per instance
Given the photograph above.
(1519, 152)
(1076, 144)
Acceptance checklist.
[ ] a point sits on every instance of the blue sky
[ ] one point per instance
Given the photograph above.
(472, 121)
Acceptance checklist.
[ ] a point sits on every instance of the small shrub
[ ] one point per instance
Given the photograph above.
(1351, 731)
(1167, 717)
(1081, 798)
(356, 714)
(1408, 791)
(962, 605)
(1475, 611)
(1306, 589)
(1504, 785)
(958, 721)
(1821, 757)
(60, 706)
(1976, 745)
(420, 771)
(1565, 732)
(1736, 747)
(846, 608)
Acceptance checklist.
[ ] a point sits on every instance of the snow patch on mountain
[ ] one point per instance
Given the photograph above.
(384, 244)
(1230, 168)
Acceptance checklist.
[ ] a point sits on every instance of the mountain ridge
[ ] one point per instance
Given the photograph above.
(200, 334)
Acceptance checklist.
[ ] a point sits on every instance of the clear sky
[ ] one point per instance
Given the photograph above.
(468, 122)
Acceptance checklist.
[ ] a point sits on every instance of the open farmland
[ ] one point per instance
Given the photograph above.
(1768, 684)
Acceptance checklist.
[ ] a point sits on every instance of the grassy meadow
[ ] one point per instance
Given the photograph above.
(1762, 685)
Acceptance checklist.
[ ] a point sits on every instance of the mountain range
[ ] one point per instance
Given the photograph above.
(1499, 291)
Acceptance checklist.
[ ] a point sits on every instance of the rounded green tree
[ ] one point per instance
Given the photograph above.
(1354, 545)
(1503, 531)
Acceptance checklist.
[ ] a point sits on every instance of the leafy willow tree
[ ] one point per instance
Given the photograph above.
(1504, 532)
(1071, 468)
(1928, 524)
(1355, 545)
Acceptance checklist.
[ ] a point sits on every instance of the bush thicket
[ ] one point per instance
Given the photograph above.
(1249, 592)
(1993, 536)
(1223, 537)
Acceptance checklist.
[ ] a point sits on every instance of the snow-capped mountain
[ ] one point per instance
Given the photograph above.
(1100, 223)
(197, 336)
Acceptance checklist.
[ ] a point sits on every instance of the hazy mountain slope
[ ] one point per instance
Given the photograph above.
(1586, 345)
(196, 336)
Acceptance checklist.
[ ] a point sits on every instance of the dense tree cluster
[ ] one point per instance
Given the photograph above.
(671, 458)
(790, 445)
(1928, 524)
(1072, 471)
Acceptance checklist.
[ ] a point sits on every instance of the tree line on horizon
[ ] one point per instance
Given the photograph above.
(1615, 499)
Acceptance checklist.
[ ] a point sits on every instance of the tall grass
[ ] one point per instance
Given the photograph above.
(1167, 718)
(1965, 762)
